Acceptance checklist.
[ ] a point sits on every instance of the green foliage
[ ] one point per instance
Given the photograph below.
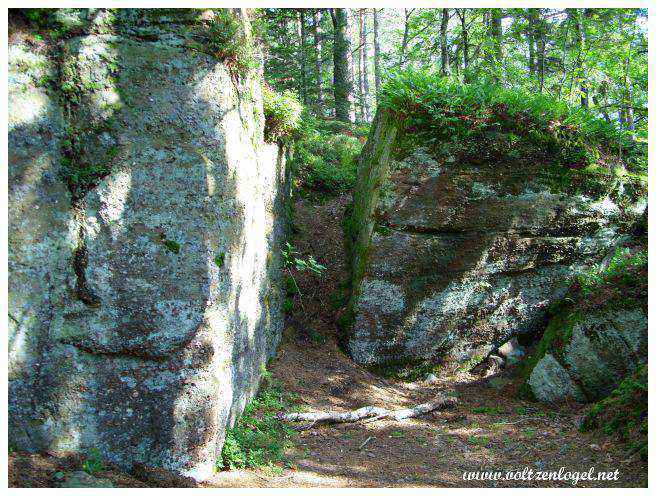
(436, 110)
(219, 260)
(325, 156)
(290, 259)
(625, 278)
(624, 412)
(172, 246)
(488, 410)
(282, 114)
(93, 462)
(258, 438)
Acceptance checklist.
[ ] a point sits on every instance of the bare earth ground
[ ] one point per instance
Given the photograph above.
(433, 450)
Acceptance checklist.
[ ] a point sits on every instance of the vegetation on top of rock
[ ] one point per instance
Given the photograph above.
(227, 38)
(436, 110)
(624, 412)
(282, 114)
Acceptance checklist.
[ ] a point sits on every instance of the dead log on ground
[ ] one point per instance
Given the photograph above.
(367, 412)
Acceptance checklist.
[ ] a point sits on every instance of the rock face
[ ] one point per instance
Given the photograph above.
(144, 298)
(449, 259)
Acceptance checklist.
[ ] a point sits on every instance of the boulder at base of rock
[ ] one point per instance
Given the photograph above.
(596, 337)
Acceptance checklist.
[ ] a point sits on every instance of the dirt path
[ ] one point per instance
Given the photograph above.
(489, 430)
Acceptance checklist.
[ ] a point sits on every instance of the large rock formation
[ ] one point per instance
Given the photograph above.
(145, 221)
(452, 255)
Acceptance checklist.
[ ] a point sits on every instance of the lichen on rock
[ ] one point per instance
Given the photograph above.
(143, 165)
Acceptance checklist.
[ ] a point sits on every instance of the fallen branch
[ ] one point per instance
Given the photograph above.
(368, 412)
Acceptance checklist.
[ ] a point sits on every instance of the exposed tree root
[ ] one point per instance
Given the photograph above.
(370, 413)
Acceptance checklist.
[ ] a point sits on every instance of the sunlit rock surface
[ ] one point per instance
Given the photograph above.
(452, 258)
(144, 307)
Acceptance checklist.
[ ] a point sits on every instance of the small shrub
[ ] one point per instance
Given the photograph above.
(624, 412)
(282, 114)
(258, 438)
(226, 40)
(93, 462)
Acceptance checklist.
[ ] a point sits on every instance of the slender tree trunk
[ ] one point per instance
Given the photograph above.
(541, 53)
(404, 41)
(350, 35)
(530, 38)
(365, 59)
(376, 53)
(465, 39)
(302, 55)
(342, 86)
(318, 61)
(444, 49)
(628, 96)
(495, 33)
(580, 63)
(361, 111)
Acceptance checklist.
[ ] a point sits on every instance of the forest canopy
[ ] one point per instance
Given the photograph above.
(337, 60)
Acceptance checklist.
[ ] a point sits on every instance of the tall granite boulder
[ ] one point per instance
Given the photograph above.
(452, 254)
(146, 216)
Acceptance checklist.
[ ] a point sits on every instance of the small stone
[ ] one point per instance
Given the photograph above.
(512, 351)
(432, 379)
(82, 479)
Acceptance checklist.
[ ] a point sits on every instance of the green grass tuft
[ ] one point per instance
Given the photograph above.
(258, 438)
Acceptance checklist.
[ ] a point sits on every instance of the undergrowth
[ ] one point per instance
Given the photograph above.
(325, 155)
(258, 438)
(624, 412)
(282, 114)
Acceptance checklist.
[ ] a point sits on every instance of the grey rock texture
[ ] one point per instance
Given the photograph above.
(145, 306)
(456, 256)
(551, 383)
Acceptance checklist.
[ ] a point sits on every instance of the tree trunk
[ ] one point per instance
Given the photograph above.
(301, 55)
(580, 62)
(541, 49)
(404, 42)
(376, 53)
(495, 33)
(465, 40)
(318, 61)
(364, 77)
(444, 52)
(530, 38)
(342, 86)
